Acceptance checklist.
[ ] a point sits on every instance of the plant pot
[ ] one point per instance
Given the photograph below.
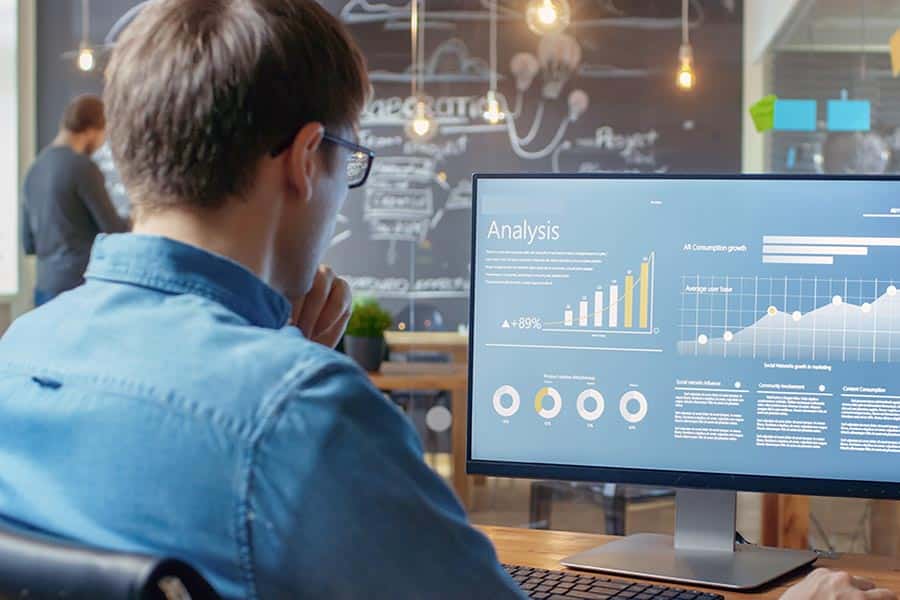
(368, 352)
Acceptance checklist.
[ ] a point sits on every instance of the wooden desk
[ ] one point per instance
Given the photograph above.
(452, 377)
(454, 344)
(544, 549)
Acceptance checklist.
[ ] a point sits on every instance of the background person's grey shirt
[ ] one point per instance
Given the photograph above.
(65, 207)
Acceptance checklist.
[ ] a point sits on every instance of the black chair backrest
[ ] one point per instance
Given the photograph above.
(34, 566)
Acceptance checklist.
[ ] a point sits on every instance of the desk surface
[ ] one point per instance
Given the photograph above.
(421, 376)
(544, 549)
(426, 338)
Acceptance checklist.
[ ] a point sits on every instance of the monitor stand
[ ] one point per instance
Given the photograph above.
(703, 551)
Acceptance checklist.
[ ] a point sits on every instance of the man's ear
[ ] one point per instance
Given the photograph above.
(303, 161)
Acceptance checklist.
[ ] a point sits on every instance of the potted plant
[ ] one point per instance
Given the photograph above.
(364, 339)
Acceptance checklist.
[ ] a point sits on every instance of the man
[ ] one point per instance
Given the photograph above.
(65, 201)
(167, 406)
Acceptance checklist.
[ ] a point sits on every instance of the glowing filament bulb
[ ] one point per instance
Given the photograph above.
(548, 16)
(547, 13)
(493, 113)
(86, 59)
(686, 78)
(422, 127)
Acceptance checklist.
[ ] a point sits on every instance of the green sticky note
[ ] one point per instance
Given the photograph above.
(763, 113)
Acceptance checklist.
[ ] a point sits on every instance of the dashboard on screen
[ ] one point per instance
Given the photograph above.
(731, 326)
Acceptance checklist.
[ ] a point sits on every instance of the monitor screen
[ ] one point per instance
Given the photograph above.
(742, 326)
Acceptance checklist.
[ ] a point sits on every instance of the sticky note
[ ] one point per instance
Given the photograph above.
(895, 52)
(849, 115)
(795, 115)
(763, 113)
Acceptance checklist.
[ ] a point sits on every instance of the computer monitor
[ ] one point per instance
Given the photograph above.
(703, 332)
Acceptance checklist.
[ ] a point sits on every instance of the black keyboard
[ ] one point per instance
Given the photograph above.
(565, 585)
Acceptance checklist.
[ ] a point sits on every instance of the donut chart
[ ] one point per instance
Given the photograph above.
(582, 405)
(503, 392)
(625, 406)
(547, 413)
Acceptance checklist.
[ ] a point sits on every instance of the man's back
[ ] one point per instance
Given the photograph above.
(65, 207)
(163, 407)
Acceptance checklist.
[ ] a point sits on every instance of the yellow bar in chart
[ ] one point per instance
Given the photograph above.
(629, 300)
(645, 295)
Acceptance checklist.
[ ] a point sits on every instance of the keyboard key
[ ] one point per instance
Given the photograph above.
(540, 595)
(588, 595)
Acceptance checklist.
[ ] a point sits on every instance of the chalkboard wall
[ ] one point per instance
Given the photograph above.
(600, 97)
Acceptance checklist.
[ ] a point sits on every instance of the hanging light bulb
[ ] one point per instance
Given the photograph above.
(422, 127)
(493, 113)
(86, 60)
(686, 77)
(548, 16)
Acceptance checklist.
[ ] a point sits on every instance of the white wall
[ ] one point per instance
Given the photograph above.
(763, 21)
(19, 152)
(9, 150)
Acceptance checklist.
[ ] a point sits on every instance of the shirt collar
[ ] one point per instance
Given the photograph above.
(169, 266)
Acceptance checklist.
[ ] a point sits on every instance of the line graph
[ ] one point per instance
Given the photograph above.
(790, 318)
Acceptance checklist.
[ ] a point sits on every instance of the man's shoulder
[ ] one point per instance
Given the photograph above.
(58, 161)
(192, 353)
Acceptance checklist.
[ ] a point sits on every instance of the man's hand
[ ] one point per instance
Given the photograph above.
(323, 313)
(823, 584)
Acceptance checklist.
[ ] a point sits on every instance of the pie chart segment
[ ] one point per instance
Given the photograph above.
(540, 398)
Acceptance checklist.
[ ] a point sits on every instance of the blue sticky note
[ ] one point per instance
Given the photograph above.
(790, 160)
(795, 115)
(849, 115)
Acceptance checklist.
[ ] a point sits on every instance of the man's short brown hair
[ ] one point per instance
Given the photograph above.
(198, 91)
(83, 114)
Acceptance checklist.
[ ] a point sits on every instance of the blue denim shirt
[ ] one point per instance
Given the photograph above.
(165, 407)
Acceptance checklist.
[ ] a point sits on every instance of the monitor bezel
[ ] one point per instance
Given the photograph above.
(666, 478)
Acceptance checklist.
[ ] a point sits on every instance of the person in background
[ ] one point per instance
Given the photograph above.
(65, 201)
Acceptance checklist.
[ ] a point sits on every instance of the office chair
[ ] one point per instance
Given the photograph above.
(33, 565)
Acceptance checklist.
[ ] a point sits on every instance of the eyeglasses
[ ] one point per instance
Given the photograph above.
(359, 163)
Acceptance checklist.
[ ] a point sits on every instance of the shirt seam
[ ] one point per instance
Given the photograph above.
(145, 393)
(272, 408)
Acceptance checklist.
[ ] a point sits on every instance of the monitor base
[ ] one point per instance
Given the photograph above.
(655, 557)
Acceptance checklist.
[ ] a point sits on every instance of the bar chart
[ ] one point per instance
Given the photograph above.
(620, 306)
